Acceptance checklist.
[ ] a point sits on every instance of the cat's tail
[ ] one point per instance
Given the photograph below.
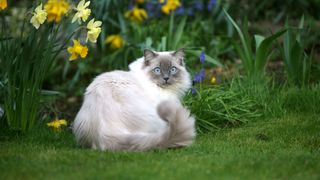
(86, 124)
(179, 132)
(181, 125)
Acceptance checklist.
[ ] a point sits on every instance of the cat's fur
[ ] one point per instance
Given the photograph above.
(139, 109)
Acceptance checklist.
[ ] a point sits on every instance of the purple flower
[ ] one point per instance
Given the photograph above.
(193, 91)
(190, 13)
(211, 4)
(149, 6)
(130, 5)
(180, 11)
(151, 9)
(202, 57)
(198, 5)
(199, 76)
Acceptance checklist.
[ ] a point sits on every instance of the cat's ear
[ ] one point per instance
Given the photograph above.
(179, 54)
(149, 55)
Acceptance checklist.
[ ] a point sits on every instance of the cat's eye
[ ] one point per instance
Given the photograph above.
(173, 70)
(157, 70)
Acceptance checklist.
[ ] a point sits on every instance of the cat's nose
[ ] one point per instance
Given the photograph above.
(166, 78)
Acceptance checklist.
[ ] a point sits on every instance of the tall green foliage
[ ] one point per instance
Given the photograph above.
(24, 64)
(297, 61)
(254, 60)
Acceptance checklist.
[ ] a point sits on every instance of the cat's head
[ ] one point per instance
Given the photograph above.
(166, 69)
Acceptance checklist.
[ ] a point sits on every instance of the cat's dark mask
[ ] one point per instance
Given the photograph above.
(165, 69)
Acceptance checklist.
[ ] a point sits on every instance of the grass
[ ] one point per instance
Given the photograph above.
(220, 106)
(282, 148)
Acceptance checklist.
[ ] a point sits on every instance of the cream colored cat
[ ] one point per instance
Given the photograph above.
(139, 109)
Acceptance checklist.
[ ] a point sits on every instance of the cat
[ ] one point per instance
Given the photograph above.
(139, 109)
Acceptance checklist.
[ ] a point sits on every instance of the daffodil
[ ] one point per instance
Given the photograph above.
(170, 6)
(82, 12)
(161, 1)
(94, 30)
(115, 41)
(39, 16)
(136, 14)
(77, 50)
(57, 123)
(3, 4)
(56, 9)
(213, 80)
(166, 9)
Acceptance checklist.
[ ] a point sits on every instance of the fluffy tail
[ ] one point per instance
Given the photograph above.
(180, 131)
(86, 124)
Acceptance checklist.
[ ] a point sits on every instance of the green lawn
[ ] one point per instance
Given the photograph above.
(284, 148)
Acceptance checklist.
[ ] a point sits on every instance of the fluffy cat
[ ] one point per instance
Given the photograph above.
(139, 109)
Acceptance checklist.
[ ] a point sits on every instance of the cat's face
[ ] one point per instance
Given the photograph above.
(165, 70)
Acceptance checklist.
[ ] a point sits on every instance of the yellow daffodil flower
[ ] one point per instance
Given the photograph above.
(139, 1)
(136, 14)
(115, 41)
(57, 123)
(39, 16)
(77, 50)
(56, 9)
(170, 6)
(82, 12)
(161, 1)
(3, 4)
(166, 9)
(213, 80)
(94, 30)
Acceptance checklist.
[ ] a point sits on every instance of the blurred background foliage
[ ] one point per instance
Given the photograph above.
(198, 26)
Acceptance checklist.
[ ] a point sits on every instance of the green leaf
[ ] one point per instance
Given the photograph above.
(164, 43)
(248, 41)
(171, 24)
(258, 40)
(178, 33)
(287, 48)
(241, 54)
(51, 93)
(122, 23)
(263, 51)
(296, 59)
(301, 25)
(247, 61)
(148, 43)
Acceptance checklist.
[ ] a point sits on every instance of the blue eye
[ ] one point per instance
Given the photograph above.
(157, 70)
(173, 70)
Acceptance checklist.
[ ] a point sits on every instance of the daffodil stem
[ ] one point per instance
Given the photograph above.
(64, 44)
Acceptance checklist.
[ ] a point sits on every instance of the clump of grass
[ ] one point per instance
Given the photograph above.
(302, 100)
(217, 107)
(266, 93)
